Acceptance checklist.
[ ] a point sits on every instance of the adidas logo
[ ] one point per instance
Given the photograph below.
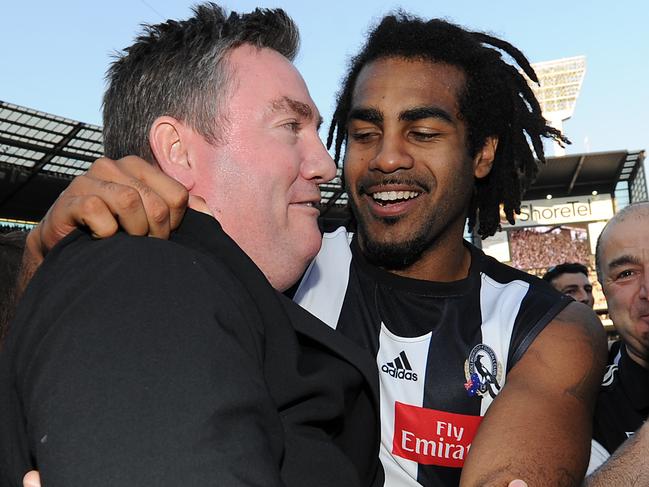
(400, 368)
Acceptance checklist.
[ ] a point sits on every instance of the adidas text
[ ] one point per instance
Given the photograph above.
(400, 373)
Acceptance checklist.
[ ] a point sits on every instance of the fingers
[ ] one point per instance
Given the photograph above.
(129, 193)
(120, 201)
(124, 187)
(99, 205)
(165, 199)
(32, 479)
(68, 212)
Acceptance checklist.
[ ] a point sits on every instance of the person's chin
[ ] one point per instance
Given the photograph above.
(642, 327)
(309, 240)
(391, 235)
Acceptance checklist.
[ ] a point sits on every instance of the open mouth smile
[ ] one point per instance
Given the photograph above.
(391, 197)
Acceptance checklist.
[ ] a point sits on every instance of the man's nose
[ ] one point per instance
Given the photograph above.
(582, 296)
(318, 166)
(392, 156)
(644, 285)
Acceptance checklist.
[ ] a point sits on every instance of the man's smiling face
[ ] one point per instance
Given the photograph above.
(624, 260)
(261, 183)
(408, 172)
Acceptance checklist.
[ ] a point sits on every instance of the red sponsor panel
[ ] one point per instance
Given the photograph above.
(432, 437)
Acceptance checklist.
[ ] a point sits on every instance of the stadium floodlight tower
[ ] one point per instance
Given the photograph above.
(560, 82)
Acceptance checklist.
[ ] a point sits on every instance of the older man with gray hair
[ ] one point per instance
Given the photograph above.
(622, 258)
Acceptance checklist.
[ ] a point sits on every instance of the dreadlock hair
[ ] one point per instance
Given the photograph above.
(496, 101)
(180, 69)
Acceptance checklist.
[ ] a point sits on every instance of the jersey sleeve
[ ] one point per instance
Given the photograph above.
(539, 307)
(598, 455)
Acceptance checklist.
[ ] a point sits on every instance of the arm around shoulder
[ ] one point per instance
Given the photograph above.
(539, 426)
(627, 466)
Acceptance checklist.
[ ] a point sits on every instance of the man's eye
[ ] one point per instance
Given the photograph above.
(293, 126)
(423, 136)
(363, 136)
(624, 274)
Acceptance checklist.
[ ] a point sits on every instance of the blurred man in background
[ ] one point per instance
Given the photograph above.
(571, 279)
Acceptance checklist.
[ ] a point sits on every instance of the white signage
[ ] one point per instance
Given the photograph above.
(558, 211)
(497, 246)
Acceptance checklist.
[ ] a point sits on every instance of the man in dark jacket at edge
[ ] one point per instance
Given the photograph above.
(138, 361)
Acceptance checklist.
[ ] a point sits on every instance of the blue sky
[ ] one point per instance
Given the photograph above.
(53, 55)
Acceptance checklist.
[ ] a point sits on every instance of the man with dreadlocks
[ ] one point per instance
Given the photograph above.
(435, 128)
(472, 355)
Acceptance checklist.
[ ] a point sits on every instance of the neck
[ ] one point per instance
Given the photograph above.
(641, 361)
(440, 267)
(448, 259)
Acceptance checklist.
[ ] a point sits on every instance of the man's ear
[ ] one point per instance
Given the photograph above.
(484, 159)
(168, 138)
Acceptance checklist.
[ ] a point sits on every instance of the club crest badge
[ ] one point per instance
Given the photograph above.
(483, 372)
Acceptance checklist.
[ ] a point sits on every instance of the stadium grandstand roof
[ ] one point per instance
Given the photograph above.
(39, 154)
(581, 174)
(48, 143)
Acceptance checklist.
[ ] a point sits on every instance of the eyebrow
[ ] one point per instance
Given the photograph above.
(419, 113)
(287, 104)
(371, 115)
(624, 260)
(375, 116)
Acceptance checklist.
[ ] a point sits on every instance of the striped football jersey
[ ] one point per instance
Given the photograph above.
(443, 349)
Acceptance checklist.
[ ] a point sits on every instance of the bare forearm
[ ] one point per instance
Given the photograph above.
(31, 260)
(532, 449)
(539, 427)
(627, 466)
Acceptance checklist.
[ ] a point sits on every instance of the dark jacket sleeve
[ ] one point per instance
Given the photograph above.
(137, 367)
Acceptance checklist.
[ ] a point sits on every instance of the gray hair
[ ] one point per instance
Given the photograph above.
(180, 69)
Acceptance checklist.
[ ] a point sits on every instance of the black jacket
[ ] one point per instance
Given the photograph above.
(623, 402)
(136, 361)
